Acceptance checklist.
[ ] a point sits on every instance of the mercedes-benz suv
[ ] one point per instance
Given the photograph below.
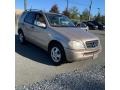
(57, 34)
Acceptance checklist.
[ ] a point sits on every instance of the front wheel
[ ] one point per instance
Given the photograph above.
(57, 54)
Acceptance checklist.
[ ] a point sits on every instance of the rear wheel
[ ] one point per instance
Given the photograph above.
(57, 54)
(21, 37)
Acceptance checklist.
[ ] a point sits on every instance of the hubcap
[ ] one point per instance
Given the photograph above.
(55, 54)
(21, 37)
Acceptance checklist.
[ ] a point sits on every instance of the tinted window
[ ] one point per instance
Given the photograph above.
(29, 18)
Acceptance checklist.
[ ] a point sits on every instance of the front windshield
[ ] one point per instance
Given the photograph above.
(91, 23)
(82, 25)
(100, 24)
(59, 20)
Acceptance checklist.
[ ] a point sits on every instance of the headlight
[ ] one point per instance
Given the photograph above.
(76, 45)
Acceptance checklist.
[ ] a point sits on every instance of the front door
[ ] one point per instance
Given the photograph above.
(40, 33)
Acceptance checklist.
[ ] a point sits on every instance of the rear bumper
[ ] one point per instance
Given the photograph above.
(73, 55)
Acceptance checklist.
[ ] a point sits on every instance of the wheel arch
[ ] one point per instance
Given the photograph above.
(55, 42)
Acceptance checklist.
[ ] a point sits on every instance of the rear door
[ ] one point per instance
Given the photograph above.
(29, 26)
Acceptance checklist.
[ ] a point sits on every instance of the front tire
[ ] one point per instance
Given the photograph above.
(57, 54)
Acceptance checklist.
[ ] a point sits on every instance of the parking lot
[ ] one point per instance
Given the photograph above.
(33, 64)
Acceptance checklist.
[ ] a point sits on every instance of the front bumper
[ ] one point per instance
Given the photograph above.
(75, 55)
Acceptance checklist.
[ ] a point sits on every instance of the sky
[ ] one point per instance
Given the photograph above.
(47, 4)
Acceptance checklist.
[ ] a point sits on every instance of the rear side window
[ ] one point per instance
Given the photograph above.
(29, 18)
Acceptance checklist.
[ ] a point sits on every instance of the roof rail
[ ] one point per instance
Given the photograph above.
(33, 10)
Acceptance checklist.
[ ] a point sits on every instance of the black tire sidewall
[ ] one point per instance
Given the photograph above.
(62, 54)
(23, 37)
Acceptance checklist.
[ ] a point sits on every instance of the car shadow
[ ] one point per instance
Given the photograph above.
(32, 52)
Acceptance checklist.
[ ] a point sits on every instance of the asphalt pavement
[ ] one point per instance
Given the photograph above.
(32, 64)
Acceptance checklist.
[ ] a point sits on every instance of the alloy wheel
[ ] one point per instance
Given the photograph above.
(56, 54)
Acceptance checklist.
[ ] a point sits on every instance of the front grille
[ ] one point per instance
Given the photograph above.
(92, 44)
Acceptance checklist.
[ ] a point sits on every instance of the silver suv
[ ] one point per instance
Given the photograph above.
(57, 34)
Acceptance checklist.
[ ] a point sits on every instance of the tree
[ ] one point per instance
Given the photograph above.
(54, 9)
(66, 13)
(103, 19)
(100, 18)
(85, 15)
(74, 13)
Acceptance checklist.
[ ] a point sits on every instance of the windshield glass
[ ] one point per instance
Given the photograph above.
(59, 20)
(82, 25)
(91, 23)
(97, 23)
(100, 24)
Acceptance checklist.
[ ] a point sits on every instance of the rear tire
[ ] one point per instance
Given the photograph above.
(57, 54)
(21, 37)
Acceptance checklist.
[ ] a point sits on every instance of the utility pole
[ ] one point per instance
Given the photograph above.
(25, 4)
(98, 11)
(90, 10)
(67, 6)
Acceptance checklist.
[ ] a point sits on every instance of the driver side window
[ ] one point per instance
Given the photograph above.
(40, 20)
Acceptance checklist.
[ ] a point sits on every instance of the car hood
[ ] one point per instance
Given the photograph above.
(74, 33)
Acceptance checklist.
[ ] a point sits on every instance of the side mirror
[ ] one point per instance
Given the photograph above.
(40, 24)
